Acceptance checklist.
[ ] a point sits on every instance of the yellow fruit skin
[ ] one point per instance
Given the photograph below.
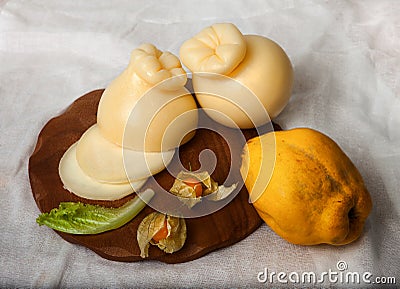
(315, 194)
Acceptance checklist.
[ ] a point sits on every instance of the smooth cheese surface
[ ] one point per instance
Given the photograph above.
(246, 77)
(256, 91)
(267, 72)
(80, 184)
(110, 163)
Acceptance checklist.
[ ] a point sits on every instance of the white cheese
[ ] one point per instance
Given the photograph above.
(78, 183)
(107, 162)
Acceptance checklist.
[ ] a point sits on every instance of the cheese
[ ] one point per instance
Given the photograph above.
(109, 163)
(251, 90)
(144, 100)
(78, 183)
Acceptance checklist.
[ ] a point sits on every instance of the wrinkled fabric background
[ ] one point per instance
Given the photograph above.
(346, 62)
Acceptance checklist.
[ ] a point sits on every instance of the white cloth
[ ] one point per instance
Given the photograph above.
(346, 62)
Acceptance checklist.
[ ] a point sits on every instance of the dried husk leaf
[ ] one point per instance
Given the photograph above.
(222, 192)
(149, 227)
(187, 194)
(176, 235)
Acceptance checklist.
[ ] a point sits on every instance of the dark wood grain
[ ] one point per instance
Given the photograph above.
(222, 228)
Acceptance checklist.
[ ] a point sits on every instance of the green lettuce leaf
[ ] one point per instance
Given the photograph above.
(80, 218)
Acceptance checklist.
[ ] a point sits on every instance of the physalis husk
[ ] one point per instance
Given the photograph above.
(186, 191)
(149, 227)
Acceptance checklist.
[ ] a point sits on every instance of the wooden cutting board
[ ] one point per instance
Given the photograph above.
(222, 228)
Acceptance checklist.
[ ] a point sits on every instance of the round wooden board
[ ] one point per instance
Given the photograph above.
(222, 228)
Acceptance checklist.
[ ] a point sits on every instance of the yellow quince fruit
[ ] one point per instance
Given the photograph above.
(315, 194)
